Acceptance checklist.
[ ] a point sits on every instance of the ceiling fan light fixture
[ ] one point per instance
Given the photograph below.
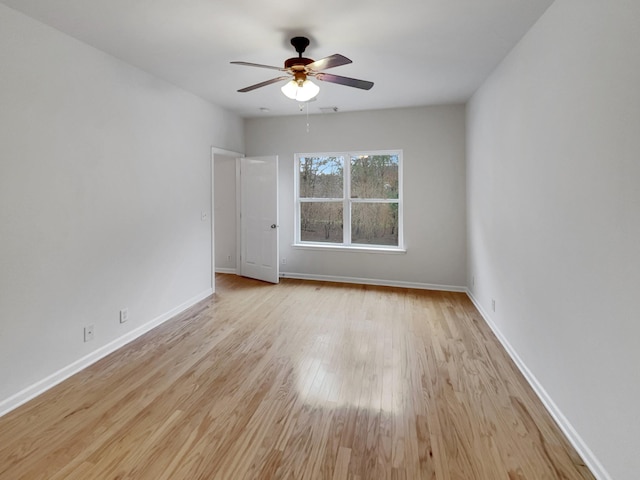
(302, 91)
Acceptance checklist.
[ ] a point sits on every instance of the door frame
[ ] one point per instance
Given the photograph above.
(227, 153)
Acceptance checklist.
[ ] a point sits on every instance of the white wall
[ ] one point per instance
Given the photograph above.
(554, 218)
(104, 171)
(432, 139)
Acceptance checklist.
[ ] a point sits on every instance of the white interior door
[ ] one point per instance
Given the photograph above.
(259, 218)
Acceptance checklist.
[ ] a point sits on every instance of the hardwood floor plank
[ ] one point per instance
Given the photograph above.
(301, 380)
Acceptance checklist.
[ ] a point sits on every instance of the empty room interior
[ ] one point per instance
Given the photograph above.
(343, 240)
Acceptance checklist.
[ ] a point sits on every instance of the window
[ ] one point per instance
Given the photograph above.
(349, 199)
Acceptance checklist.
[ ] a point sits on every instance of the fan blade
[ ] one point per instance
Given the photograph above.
(349, 82)
(328, 62)
(263, 84)
(247, 64)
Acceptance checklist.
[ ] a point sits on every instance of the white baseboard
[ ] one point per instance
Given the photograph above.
(226, 270)
(373, 281)
(52, 380)
(574, 438)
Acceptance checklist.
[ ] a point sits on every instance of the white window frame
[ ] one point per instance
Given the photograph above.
(347, 202)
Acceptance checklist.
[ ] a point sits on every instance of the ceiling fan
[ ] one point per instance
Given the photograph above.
(298, 70)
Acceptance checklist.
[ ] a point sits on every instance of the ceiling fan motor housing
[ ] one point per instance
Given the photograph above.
(297, 61)
(296, 66)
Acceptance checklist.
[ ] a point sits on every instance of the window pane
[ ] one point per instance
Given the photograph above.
(374, 176)
(321, 177)
(321, 222)
(374, 223)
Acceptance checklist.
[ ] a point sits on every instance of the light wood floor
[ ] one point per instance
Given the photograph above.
(303, 380)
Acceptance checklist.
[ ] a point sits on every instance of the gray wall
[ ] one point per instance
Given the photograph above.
(432, 140)
(554, 218)
(104, 171)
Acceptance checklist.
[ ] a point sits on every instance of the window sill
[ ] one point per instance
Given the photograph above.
(350, 248)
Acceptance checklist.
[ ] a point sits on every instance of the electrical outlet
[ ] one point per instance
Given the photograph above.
(204, 216)
(493, 305)
(88, 333)
(124, 315)
(228, 258)
(284, 261)
(473, 281)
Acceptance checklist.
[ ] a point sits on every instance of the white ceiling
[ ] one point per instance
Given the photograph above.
(417, 52)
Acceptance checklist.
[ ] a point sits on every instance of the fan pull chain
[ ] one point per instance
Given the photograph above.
(301, 106)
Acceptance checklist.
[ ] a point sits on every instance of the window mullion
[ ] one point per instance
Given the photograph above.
(374, 200)
(297, 238)
(346, 209)
(320, 200)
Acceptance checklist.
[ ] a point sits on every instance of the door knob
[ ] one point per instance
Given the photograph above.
(273, 225)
